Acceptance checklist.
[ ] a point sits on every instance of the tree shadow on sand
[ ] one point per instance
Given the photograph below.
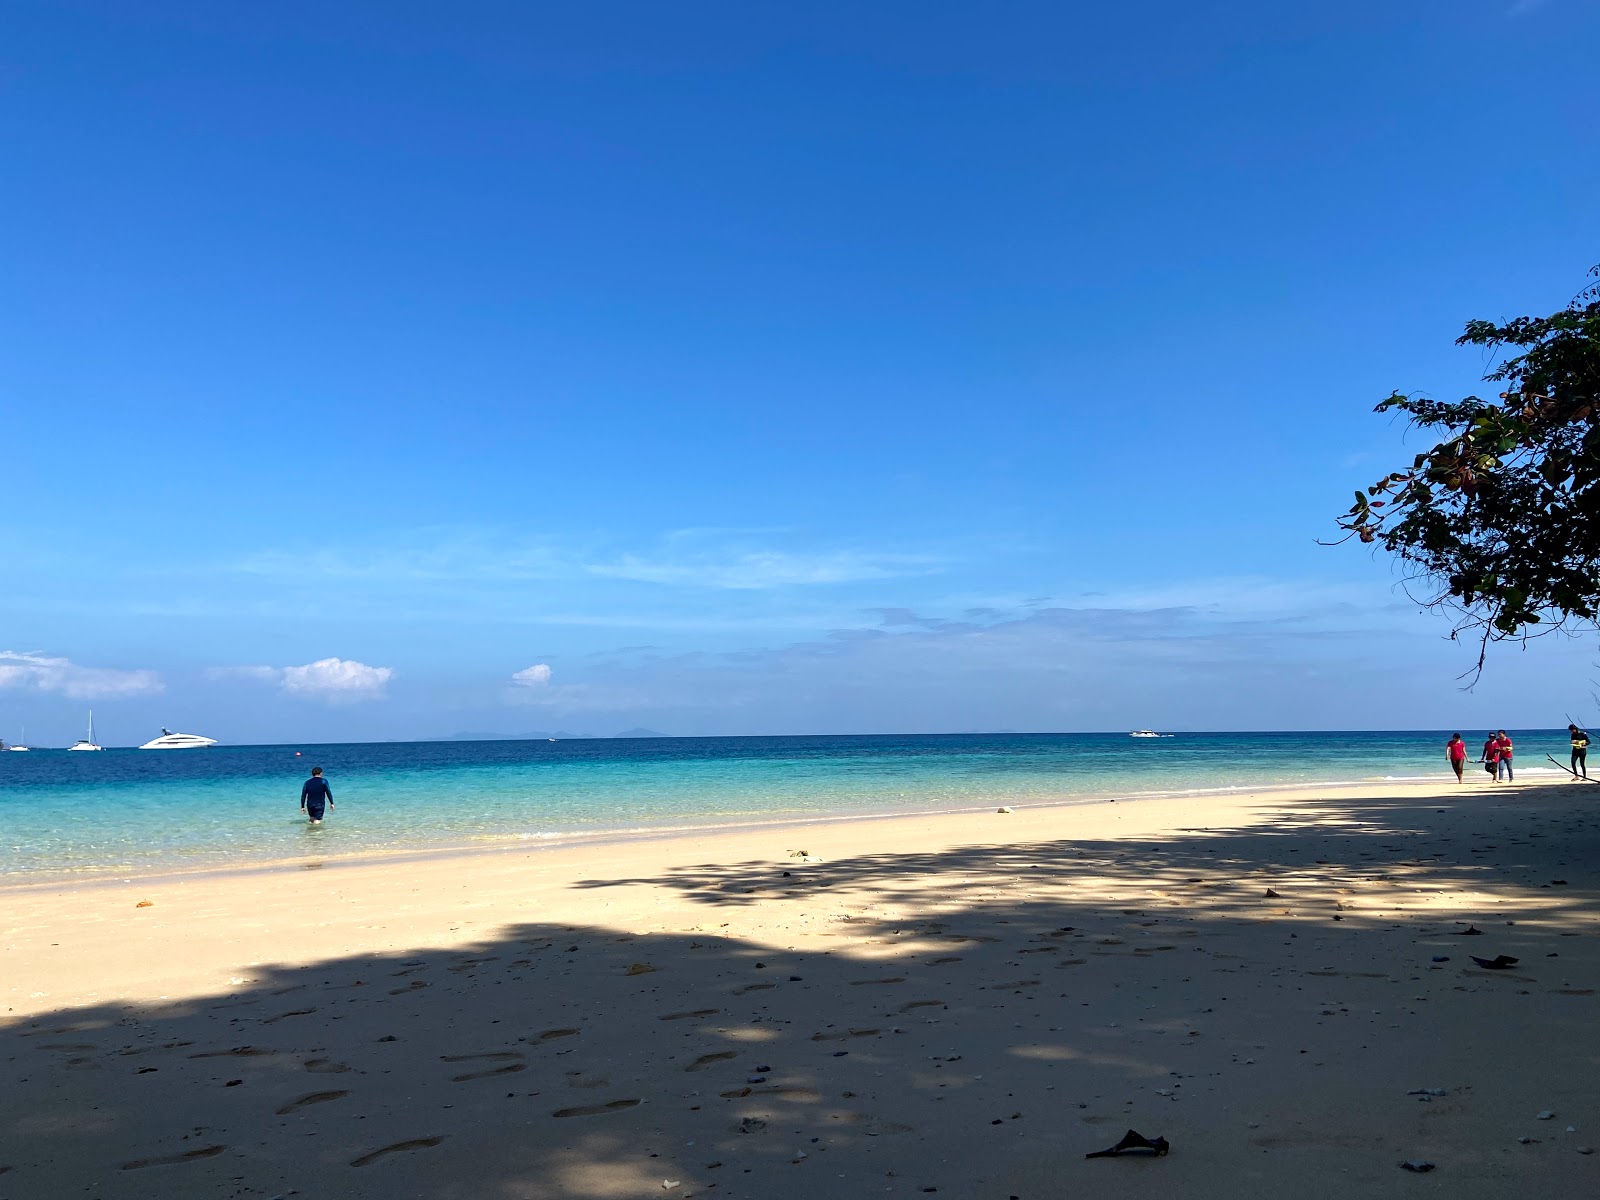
(1317, 855)
(896, 1035)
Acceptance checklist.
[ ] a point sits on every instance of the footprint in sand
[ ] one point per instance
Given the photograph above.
(299, 1012)
(413, 986)
(939, 962)
(699, 1012)
(501, 1056)
(310, 1098)
(167, 1160)
(236, 1052)
(921, 1004)
(550, 1035)
(153, 1049)
(753, 987)
(326, 1066)
(509, 1069)
(1072, 962)
(705, 1060)
(414, 1144)
(839, 1037)
(799, 1095)
(1012, 986)
(594, 1110)
(870, 982)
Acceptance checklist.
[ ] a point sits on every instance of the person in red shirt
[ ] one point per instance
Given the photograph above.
(1455, 751)
(1491, 757)
(1502, 741)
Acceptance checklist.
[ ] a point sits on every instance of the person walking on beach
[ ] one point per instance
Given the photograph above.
(1455, 750)
(314, 794)
(1580, 750)
(1491, 757)
(1503, 741)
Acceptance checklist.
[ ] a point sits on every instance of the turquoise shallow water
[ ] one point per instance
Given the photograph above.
(125, 811)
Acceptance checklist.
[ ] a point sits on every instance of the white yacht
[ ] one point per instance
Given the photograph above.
(87, 743)
(177, 741)
(1144, 733)
(23, 744)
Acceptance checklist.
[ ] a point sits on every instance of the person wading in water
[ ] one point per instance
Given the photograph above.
(314, 794)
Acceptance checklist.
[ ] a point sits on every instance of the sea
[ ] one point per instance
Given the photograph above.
(127, 812)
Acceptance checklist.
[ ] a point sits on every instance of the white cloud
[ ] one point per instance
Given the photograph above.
(327, 678)
(531, 686)
(765, 569)
(47, 674)
(336, 677)
(724, 559)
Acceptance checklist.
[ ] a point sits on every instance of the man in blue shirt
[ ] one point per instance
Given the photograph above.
(314, 795)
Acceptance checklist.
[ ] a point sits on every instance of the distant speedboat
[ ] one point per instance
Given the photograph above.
(87, 743)
(1144, 733)
(177, 741)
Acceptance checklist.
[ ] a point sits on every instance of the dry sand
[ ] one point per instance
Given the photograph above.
(959, 1004)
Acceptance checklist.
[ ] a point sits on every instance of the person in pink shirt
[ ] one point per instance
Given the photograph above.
(1503, 763)
(1491, 757)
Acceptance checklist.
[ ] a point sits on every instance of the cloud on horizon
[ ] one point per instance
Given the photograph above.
(1240, 653)
(333, 679)
(27, 669)
(537, 675)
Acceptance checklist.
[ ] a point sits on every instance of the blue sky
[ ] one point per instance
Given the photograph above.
(754, 367)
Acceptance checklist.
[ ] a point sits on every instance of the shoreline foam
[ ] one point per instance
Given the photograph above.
(509, 843)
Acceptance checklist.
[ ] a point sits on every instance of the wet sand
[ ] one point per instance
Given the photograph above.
(1280, 984)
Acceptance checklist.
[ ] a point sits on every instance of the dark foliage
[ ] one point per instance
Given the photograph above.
(1502, 517)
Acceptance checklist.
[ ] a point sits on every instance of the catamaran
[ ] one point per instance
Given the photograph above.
(87, 743)
(177, 741)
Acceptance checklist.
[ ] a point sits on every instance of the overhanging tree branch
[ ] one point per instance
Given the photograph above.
(1502, 515)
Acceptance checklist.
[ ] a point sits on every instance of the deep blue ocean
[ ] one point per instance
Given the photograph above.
(134, 811)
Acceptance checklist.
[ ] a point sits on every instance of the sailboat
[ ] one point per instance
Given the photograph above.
(23, 744)
(87, 743)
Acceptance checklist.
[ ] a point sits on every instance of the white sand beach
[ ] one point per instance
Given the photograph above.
(1278, 983)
